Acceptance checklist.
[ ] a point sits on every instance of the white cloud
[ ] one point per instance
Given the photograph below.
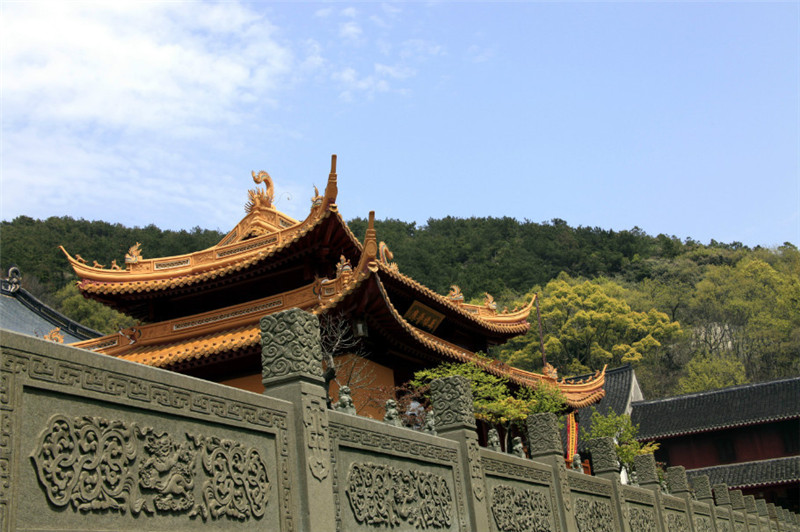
(324, 12)
(104, 105)
(396, 72)
(349, 12)
(350, 30)
(146, 65)
(420, 49)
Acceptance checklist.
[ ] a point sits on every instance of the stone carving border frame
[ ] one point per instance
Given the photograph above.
(20, 368)
(382, 442)
(525, 473)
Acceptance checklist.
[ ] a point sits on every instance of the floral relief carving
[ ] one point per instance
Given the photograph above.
(593, 516)
(93, 464)
(702, 524)
(520, 510)
(642, 519)
(677, 523)
(384, 495)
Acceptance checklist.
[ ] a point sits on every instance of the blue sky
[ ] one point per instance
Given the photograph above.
(680, 118)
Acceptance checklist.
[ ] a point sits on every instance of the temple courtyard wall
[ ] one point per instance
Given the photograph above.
(90, 442)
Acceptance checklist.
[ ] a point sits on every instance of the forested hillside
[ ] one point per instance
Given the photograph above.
(688, 316)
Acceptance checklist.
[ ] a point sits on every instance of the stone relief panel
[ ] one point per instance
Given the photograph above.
(521, 510)
(475, 470)
(93, 464)
(594, 515)
(702, 523)
(642, 519)
(677, 522)
(315, 419)
(389, 496)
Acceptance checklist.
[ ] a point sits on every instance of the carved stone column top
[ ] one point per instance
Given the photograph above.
(676, 480)
(290, 347)
(721, 494)
(604, 455)
(646, 472)
(452, 402)
(737, 499)
(702, 488)
(750, 504)
(772, 511)
(544, 437)
(761, 507)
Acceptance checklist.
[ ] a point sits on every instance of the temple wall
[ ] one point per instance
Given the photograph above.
(90, 442)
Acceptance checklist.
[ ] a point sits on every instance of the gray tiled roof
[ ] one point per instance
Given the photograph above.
(618, 388)
(21, 312)
(750, 474)
(747, 404)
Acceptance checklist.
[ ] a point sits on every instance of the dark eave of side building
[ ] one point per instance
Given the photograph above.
(772, 472)
(736, 406)
(21, 312)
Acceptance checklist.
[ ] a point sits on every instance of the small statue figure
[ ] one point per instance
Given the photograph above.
(345, 404)
(134, 254)
(114, 265)
(517, 449)
(493, 442)
(576, 463)
(98, 265)
(392, 416)
(343, 266)
(80, 259)
(430, 423)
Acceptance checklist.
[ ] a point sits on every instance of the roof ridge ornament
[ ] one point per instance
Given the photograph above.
(331, 189)
(260, 198)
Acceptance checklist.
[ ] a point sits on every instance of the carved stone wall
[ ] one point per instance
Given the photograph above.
(88, 442)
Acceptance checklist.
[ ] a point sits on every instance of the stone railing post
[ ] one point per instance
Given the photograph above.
(678, 486)
(702, 489)
(737, 501)
(291, 369)
(721, 496)
(750, 508)
(772, 513)
(455, 420)
(544, 445)
(763, 512)
(604, 458)
(647, 476)
(646, 472)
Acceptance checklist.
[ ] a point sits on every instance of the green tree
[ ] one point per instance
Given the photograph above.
(621, 428)
(587, 325)
(710, 372)
(494, 400)
(90, 313)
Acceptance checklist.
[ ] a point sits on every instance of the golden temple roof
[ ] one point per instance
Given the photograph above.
(263, 233)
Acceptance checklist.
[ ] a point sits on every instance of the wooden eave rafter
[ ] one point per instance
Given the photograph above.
(578, 395)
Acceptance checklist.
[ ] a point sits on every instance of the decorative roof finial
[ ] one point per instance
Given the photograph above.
(331, 190)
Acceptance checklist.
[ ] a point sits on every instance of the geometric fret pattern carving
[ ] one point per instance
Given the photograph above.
(94, 465)
(384, 495)
(520, 510)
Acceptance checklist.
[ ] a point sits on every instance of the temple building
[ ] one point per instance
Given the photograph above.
(200, 312)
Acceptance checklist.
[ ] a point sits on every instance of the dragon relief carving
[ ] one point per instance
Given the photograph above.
(384, 495)
(94, 465)
(520, 510)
